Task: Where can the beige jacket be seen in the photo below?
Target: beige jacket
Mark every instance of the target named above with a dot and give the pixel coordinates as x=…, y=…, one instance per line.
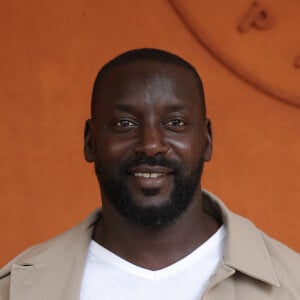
x=254, y=265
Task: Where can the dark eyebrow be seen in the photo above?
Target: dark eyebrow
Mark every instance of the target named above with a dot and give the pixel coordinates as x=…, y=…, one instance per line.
x=170, y=108
x=123, y=107
x=176, y=107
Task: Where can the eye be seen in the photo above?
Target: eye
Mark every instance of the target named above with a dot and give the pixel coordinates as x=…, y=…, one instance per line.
x=176, y=124
x=125, y=123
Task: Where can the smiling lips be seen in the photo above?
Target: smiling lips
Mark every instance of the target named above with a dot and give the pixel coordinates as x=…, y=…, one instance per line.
x=147, y=175
x=150, y=171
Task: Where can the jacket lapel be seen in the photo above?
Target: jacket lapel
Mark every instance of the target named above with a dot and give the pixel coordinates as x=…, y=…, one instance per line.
x=55, y=272
x=245, y=249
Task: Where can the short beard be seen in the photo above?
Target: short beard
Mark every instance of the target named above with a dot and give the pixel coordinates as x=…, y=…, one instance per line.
x=117, y=192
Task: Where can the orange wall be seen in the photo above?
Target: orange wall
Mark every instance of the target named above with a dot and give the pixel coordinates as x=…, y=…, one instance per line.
x=50, y=53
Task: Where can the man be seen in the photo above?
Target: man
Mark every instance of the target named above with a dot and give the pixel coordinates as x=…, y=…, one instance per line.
x=158, y=235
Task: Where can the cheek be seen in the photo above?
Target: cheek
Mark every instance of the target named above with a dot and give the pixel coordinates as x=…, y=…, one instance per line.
x=182, y=145
x=187, y=149
x=113, y=149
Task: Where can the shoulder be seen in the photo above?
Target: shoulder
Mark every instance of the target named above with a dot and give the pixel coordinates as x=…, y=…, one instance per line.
x=286, y=261
x=251, y=252
x=59, y=247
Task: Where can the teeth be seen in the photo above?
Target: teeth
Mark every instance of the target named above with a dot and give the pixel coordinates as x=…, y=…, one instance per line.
x=148, y=175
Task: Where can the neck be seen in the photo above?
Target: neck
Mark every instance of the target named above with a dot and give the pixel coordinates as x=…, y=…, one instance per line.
x=159, y=247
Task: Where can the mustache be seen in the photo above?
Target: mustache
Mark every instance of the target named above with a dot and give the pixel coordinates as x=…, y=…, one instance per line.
x=157, y=160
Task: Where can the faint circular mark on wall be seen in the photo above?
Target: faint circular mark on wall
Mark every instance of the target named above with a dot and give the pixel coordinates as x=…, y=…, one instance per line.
x=257, y=40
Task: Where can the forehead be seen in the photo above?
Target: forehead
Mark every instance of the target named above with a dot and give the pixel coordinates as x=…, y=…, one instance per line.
x=161, y=83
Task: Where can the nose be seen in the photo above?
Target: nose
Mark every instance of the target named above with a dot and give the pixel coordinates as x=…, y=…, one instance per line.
x=151, y=141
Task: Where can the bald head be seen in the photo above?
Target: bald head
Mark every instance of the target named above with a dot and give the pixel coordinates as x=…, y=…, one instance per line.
x=148, y=55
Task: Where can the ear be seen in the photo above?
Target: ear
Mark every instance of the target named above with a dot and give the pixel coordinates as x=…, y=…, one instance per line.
x=88, y=141
x=208, y=140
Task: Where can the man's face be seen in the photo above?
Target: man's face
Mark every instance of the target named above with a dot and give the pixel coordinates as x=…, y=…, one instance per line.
x=149, y=140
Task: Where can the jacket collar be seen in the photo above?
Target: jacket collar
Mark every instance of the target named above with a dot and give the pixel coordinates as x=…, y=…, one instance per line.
x=245, y=249
x=59, y=263
x=76, y=239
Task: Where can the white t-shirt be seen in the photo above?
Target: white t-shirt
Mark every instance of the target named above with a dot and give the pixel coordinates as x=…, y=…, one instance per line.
x=108, y=276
